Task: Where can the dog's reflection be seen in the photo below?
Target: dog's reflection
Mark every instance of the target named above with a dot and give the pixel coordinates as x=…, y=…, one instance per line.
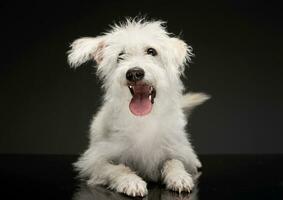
x=155, y=192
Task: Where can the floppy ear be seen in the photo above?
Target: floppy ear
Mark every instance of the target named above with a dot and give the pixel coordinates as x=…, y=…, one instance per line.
x=84, y=49
x=182, y=52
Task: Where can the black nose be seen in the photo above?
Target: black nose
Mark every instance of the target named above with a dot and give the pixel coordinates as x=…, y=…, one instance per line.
x=135, y=74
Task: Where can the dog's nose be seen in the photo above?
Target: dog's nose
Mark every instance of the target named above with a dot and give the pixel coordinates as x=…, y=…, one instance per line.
x=135, y=74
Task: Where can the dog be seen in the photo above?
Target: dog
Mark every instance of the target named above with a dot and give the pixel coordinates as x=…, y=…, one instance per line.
x=139, y=132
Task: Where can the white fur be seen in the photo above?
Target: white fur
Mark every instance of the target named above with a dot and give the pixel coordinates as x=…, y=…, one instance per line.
x=175, y=176
x=125, y=148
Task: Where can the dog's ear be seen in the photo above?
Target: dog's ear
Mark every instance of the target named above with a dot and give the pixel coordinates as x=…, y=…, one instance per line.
x=181, y=52
x=84, y=49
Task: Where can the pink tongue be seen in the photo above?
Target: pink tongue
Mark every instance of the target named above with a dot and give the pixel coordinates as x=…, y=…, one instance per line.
x=140, y=105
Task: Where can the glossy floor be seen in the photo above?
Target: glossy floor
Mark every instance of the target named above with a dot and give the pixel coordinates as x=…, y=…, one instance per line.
x=223, y=177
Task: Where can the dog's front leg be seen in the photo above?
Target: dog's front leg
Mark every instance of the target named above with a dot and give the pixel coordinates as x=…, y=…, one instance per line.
x=119, y=178
x=175, y=176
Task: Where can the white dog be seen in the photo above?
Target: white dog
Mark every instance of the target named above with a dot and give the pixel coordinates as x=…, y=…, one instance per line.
x=139, y=132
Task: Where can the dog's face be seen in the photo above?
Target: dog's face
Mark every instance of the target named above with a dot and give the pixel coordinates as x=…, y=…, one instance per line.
x=138, y=62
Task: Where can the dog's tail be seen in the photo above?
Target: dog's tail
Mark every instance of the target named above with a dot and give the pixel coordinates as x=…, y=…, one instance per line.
x=191, y=100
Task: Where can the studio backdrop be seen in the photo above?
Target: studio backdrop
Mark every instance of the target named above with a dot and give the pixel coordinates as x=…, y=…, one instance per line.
x=46, y=107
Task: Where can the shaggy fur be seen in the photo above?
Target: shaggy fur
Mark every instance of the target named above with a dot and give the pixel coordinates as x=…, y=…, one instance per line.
x=126, y=149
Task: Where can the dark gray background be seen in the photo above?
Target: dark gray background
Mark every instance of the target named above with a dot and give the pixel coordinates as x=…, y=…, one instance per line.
x=46, y=107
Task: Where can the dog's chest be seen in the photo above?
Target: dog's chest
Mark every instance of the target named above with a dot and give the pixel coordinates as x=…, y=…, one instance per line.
x=144, y=150
x=144, y=142
x=145, y=159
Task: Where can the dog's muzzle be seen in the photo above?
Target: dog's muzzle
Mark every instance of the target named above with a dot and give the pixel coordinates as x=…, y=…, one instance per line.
x=143, y=94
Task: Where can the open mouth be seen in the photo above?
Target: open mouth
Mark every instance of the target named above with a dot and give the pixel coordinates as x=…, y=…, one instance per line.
x=143, y=98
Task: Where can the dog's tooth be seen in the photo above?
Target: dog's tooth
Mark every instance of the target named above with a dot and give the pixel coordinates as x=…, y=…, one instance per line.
x=151, y=98
x=131, y=90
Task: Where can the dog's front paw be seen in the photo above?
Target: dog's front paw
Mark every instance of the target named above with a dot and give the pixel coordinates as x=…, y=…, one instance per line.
x=131, y=185
x=181, y=182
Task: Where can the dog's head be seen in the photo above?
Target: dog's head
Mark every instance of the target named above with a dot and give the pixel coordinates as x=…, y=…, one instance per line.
x=138, y=61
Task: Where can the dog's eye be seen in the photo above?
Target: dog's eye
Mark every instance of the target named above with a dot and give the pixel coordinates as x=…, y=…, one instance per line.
x=120, y=56
x=151, y=51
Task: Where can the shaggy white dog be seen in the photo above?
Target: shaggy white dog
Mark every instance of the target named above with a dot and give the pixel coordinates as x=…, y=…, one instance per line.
x=139, y=132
